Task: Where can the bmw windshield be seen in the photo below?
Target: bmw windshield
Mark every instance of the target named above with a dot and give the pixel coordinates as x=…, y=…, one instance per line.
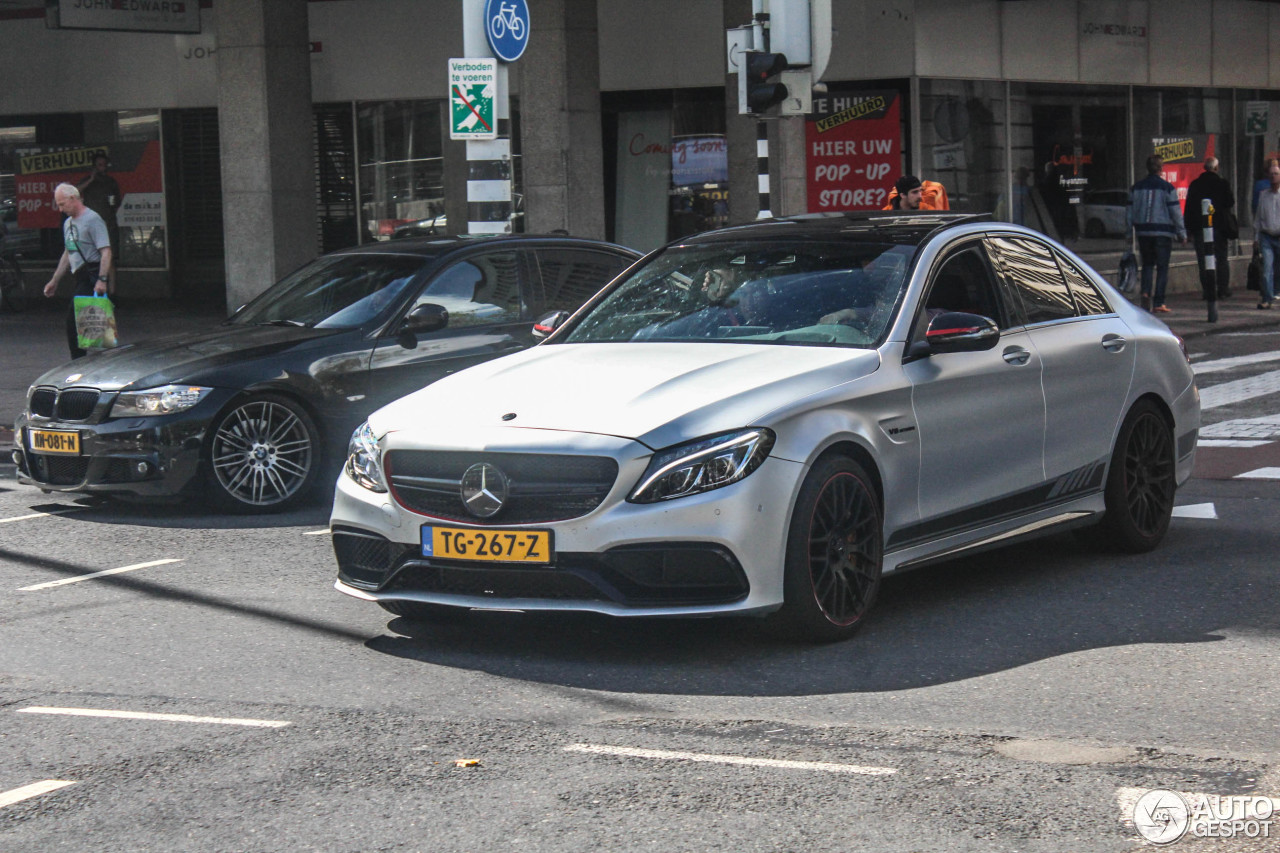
x=798, y=292
x=335, y=292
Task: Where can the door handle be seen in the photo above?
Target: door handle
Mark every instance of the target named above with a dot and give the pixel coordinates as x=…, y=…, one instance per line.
x=1016, y=355
x=1113, y=343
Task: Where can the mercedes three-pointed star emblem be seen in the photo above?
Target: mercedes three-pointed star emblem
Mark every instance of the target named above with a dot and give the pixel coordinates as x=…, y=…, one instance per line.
x=484, y=490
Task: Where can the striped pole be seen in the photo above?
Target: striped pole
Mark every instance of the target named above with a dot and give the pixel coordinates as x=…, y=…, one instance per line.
x=489, y=183
x=762, y=170
x=1209, y=279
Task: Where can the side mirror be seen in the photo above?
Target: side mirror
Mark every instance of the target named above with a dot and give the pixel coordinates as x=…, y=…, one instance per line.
x=424, y=318
x=548, y=323
x=958, y=332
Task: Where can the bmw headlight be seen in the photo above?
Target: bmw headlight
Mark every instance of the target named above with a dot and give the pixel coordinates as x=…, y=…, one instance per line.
x=364, y=459
x=157, y=401
x=702, y=465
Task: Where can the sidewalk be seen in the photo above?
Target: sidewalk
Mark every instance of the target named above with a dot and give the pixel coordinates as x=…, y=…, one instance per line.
x=1188, y=314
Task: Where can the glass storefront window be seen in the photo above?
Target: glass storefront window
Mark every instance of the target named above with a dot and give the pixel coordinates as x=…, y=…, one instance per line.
x=1257, y=111
x=962, y=142
x=401, y=166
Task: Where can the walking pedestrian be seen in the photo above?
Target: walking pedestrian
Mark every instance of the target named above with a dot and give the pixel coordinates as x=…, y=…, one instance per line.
x=86, y=255
x=1267, y=226
x=1215, y=278
x=1155, y=215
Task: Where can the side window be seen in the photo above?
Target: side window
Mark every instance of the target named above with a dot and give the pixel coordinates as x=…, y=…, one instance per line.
x=1032, y=272
x=479, y=290
x=572, y=276
x=962, y=282
x=1088, y=298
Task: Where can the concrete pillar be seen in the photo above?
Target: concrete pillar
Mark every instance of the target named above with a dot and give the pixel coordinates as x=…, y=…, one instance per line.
x=787, y=165
x=266, y=130
x=740, y=132
x=562, y=158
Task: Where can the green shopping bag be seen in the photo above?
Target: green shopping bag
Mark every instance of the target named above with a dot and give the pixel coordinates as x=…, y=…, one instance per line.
x=95, y=322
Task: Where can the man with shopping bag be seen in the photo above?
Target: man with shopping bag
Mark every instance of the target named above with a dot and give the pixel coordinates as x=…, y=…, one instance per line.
x=86, y=255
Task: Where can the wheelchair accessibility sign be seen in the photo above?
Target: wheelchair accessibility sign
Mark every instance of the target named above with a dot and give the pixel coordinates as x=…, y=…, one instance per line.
x=506, y=26
x=473, y=83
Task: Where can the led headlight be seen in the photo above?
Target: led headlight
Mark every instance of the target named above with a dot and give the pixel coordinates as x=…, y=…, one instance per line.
x=364, y=459
x=157, y=401
x=702, y=465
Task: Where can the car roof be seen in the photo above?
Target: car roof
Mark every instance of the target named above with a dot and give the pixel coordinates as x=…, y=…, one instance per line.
x=441, y=245
x=911, y=228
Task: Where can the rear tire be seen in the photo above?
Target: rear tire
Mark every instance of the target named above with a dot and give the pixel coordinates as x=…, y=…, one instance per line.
x=834, y=556
x=1141, y=482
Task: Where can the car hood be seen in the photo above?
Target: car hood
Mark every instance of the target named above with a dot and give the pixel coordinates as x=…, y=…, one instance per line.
x=178, y=358
x=659, y=393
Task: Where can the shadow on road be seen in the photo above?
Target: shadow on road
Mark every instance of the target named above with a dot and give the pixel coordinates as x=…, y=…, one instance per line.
x=964, y=619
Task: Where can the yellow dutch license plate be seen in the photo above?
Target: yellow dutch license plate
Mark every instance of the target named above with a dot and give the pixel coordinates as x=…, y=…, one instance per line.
x=496, y=546
x=54, y=441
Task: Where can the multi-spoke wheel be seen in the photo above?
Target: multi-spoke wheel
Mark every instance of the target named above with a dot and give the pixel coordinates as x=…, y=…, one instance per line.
x=263, y=455
x=1141, y=482
x=834, y=553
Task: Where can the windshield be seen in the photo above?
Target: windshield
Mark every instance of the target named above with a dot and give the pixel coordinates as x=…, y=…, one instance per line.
x=335, y=292
x=807, y=293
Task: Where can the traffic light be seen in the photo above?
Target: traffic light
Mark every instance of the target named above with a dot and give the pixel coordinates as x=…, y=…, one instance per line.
x=763, y=90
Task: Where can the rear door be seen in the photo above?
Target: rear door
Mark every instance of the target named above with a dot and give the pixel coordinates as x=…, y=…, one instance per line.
x=569, y=275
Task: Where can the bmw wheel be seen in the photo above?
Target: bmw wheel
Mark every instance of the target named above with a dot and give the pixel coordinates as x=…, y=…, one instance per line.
x=263, y=455
x=1141, y=482
x=834, y=554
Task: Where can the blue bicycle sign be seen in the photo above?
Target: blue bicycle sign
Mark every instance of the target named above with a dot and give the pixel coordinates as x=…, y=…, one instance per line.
x=507, y=28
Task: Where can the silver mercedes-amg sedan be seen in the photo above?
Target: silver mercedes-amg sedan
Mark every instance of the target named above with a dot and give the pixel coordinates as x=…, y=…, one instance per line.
x=767, y=419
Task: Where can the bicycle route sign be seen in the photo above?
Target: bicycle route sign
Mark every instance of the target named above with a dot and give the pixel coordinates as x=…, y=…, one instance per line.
x=473, y=84
x=506, y=26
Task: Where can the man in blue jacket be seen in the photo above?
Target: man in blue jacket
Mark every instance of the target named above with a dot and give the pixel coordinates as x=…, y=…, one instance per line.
x=1155, y=215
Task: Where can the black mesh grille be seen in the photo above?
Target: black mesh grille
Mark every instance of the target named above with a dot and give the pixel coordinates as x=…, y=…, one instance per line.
x=499, y=583
x=42, y=402
x=76, y=404
x=366, y=559
x=58, y=470
x=542, y=487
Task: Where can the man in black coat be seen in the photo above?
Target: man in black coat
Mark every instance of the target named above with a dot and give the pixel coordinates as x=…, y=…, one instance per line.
x=1212, y=186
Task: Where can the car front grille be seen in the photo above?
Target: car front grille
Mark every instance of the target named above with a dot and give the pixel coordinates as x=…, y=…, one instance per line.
x=541, y=487
x=69, y=404
x=58, y=470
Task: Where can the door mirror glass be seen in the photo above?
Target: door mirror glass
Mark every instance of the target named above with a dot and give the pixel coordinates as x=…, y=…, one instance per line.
x=548, y=323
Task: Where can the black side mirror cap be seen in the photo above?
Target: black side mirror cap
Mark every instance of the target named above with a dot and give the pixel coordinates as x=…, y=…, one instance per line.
x=955, y=331
x=424, y=319
x=546, y=325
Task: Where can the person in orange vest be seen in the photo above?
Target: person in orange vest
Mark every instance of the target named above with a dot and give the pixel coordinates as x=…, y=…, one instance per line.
x=910, y=193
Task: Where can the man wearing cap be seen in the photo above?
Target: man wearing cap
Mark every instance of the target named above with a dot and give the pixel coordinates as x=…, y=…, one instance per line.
x=910, y=193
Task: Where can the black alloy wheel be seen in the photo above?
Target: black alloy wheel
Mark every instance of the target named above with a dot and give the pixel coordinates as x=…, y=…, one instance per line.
x=263, y=455
x=834, y=556
x=1141, y=482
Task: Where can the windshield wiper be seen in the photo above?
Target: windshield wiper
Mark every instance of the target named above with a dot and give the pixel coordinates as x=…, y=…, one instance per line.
x=284, y=323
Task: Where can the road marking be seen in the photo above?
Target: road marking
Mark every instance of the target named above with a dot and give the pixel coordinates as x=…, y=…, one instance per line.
x=35, y=789
x=165, y=718
x=324, y=532
x=41, y=514
x=667, y=755
x=1195, y=511
x=1265, y=427
x=1220, y=364
x=1231, y=442
x=1260, y=474
x=77, y=579
x=1240, y=390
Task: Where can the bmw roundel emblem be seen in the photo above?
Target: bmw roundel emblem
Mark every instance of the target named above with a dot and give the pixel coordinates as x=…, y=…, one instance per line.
x=484, y=490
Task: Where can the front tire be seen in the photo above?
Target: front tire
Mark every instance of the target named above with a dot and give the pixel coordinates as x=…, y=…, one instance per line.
x=834, y=555
x=263, y=455
x=1141, y=481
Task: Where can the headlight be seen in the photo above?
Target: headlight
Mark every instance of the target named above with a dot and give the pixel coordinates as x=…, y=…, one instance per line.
x=702, y=465
x=157, y=401
x=364, y=459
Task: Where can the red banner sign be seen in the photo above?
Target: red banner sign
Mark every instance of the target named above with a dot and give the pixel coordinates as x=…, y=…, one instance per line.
x=134, y=165
x=853, y=150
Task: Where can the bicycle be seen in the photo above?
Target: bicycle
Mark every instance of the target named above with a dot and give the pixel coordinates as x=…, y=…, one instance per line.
x=506, y=17
x=13, y=291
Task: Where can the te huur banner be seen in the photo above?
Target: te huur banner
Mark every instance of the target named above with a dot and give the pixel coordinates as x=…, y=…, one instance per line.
x=1184, y=158
x=853, y=150
x=137, y=16
x=134, y=165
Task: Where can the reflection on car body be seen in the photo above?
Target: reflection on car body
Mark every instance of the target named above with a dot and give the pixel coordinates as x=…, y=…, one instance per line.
x=900, y=389
x=250, y=408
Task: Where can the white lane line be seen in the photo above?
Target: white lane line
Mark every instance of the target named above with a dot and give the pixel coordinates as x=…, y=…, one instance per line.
x=78, y=578
x=1240, y=390
x=1266, y=427
x=1195, y=511
x=1220, y=364
x=324, y=532
x=164, y=718
x=666, y=755
x=1230, y=442
x=35, y=789
x=1260, y=474
x=41, y=514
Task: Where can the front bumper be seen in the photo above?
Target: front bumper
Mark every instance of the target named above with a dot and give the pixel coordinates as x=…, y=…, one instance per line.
x=715, y=553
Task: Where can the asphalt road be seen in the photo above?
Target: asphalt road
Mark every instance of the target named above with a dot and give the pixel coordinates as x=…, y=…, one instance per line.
x=1019, y=700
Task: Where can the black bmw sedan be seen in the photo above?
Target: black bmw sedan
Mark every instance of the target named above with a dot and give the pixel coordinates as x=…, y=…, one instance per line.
x=247, y=412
